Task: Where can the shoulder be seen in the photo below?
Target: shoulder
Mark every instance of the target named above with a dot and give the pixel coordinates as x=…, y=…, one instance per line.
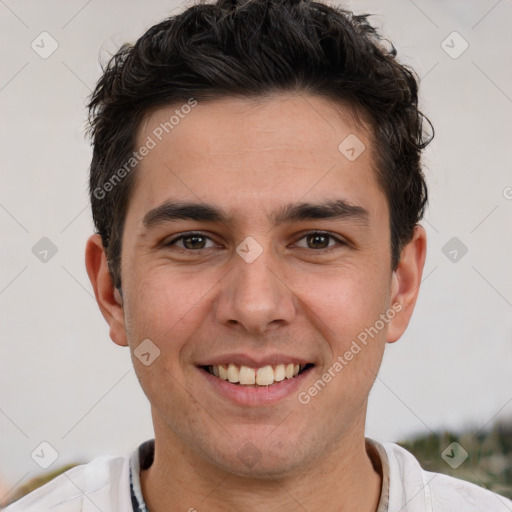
x=425, y=491
x=102, y=484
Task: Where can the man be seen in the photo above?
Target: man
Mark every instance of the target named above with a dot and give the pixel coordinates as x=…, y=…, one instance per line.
x=256, y=186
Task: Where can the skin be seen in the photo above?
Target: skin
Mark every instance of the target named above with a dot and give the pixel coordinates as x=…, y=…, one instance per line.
x=251, y=157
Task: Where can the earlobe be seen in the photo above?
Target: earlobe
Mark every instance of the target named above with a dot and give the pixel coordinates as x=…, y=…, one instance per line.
x=107, y=296
x=406, y=280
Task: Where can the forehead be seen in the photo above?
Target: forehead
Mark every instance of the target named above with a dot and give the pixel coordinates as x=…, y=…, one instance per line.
x=257, y=150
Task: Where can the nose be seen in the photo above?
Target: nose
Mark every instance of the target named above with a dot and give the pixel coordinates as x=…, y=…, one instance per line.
x=255, y=296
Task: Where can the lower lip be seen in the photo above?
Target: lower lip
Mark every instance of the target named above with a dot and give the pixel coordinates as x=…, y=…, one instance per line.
x=254, y=396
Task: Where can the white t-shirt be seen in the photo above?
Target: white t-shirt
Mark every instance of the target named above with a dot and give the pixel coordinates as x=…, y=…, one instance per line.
x=108, y=484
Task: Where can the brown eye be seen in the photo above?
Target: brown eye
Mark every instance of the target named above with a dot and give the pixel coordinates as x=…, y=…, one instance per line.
x=319, y=241
x=191, y=241
x=316, y=241
x=194, y=242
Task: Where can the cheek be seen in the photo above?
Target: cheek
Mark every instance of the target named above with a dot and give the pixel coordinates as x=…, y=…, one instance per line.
x=164, y=305
x=346, y=309
x=344, y=302
x=166, y=308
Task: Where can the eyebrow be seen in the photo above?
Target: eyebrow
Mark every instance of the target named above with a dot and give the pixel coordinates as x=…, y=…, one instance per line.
x=332, y=209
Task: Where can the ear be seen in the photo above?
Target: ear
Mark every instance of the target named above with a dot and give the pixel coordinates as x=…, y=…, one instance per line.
x=406, y=282
x=108, y=298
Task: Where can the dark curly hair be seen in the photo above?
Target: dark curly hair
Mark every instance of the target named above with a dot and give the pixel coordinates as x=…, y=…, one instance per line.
x=253, y=48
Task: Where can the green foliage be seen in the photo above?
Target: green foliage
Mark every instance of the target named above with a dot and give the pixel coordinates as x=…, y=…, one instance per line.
x=489, y=462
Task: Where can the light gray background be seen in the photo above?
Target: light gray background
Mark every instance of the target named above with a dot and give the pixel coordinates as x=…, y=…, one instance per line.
x=61, y=378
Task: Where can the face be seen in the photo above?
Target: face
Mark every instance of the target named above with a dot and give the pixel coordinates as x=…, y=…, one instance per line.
x=253, y=248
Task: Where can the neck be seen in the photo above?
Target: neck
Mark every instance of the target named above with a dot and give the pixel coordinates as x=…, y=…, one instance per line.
x=344, y=480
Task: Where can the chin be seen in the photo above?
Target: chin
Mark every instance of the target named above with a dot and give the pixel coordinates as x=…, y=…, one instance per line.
x=262, y=458
x=264, y=466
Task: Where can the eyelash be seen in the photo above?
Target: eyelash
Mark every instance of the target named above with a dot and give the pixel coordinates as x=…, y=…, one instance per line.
x=338, y=241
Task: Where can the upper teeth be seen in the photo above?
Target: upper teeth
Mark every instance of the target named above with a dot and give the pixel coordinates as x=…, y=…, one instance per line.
x=263, y=376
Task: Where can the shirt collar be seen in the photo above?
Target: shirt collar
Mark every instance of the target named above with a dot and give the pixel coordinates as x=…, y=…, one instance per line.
x=142, y=458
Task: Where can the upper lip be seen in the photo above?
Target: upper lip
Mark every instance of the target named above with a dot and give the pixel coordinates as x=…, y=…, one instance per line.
x=255, y=362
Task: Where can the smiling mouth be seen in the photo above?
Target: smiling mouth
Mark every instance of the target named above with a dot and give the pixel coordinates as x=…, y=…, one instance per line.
x=264, y=376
